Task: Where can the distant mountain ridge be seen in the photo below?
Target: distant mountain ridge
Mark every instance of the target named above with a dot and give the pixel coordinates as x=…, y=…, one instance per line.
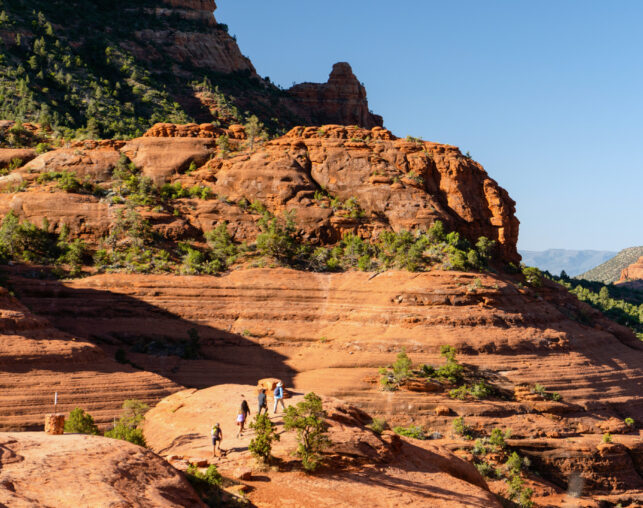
x=610, y=271
x=573, y=262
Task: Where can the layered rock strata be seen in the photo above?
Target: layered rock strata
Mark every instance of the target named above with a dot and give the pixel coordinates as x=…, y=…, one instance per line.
x=37, y=360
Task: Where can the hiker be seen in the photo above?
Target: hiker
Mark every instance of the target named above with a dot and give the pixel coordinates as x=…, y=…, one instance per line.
x=217, y=437
x=244, y=407
x=279, y=396
x=241, y=421
x=263, y=403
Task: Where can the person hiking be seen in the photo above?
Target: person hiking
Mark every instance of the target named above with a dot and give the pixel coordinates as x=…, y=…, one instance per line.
x=217, y=437
x=279, y=396
x=263, y=403
x=244, y=407
x=241, y=421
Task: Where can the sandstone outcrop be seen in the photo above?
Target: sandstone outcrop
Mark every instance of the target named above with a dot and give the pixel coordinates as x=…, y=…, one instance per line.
x=341, y=100
x=37, y=360
x=632, y=276
x=331, y=332
x=77, y=470
x=379, y=470
x=398, y=184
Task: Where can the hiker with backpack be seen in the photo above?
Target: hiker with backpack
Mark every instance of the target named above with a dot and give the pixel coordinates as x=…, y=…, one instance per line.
x=279, y=396
x=217, y=437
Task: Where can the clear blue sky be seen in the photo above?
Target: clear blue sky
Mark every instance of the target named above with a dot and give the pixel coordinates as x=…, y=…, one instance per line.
x=547, y=95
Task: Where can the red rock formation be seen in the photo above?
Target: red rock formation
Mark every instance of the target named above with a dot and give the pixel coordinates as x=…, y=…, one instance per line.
x=258, y=323
x=79, y=470
x=399, y=184
x=632, y=276
x=341, y=100
x=376, y=469
x=37, y=360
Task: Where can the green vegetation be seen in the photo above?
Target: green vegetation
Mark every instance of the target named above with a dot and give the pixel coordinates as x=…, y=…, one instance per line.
x=175, y=190
x=542, y=391
x=398, y=373
x=533, y=276
x=80, y=422
x=67, y=181
x=308, y=419
x=607, y=437
x=126, y=428
x=207, y=485
x=378, y=425
x=261, y=445
x=629, y=422
x=619, y=303
x=460, y=428
x=610, y=271
x=413, y=431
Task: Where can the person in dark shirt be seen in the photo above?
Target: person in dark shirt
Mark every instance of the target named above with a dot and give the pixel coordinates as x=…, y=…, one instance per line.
x=245, y=409
x=263, y=403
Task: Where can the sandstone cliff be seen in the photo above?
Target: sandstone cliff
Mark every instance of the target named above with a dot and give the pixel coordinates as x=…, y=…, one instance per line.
x=37, y=360
x=342, y=100
x=398, y=184
x=331, y=332
x=633, y=274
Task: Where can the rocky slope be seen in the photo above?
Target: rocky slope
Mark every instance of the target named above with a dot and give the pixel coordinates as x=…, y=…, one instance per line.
x=77, y=470
x=379, y=470
x=611, y=270
x=37, y=360
x=126, y=65
x=397, y=184
x=331, y=332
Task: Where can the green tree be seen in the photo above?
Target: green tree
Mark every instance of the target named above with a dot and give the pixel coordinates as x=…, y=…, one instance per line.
x=261, y=445
x=126, y=427
x=253, y=128
x=308, y=418
x=80, y=422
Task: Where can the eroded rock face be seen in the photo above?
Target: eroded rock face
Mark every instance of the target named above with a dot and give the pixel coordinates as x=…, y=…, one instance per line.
x=360, y=464
x=329, y=333
x=79, y=470
x=400, y=184
x=37, y=360
x=632, y=276
x=341, y=100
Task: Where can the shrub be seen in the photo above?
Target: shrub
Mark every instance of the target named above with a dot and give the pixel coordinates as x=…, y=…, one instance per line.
x=515, y=463
x=486, y=469
x=459, y=393
x=261, y=445
x=222, y=250
x=481, y=390
x=80, y=422
x=533, y=276
x=378, y=426
x=204, y=481
x=125, y=433
x=460, y=428
x=519, y=493
x=629, y=422
x=452, y=371
x=497, y=439
x=607, y=438
x=400, y=371
x=414, y=432
x=126, y=428
x=479, y=448
x=308, y=418
x=277, y=236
